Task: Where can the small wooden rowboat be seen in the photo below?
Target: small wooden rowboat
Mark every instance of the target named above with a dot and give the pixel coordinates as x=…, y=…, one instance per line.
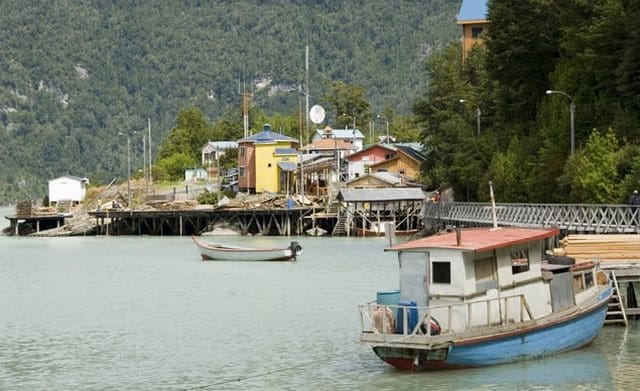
x=218, y=252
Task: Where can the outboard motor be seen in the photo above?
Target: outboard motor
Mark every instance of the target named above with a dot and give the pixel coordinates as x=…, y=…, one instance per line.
x=296, y=249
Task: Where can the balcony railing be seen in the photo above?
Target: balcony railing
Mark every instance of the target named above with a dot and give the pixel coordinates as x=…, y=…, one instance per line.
x=379, y=319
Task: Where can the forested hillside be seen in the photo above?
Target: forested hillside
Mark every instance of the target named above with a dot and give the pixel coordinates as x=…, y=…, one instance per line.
x=540, y=59
x=73, y=74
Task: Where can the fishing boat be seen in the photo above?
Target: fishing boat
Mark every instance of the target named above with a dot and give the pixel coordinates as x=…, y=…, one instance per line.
x=484, y=296
x=218, y=252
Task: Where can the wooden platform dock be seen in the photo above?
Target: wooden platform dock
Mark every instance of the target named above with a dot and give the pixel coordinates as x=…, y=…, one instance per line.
x=282, y=222
x=28, y=224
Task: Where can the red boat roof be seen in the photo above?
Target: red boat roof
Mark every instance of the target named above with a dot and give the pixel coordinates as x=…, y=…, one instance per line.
x=479, y=239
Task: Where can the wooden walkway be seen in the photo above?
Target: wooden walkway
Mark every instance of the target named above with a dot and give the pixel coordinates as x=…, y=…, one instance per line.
x=571, y=218
x=282, y=222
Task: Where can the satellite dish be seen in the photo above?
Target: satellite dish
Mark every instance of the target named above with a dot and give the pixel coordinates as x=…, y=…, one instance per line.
x=316, y=114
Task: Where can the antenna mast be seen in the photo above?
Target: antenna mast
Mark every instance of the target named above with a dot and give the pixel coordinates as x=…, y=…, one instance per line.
x=245, y=111
x=306, y=92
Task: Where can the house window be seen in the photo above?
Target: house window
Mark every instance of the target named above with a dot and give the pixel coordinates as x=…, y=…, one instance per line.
x=441, y=272
x=486, y=272
x=401, y=172
x=520, y=261
x=241, y=152
x=241, y=173
x=366, y=169
x=476, y=32
x=269, y=165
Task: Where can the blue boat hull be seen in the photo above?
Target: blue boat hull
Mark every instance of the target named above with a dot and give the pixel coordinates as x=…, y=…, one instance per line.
x=533, y=342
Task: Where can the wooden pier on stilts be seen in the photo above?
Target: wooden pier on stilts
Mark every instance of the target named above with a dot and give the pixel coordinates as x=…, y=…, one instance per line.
x=283, y=222
x=28, y=224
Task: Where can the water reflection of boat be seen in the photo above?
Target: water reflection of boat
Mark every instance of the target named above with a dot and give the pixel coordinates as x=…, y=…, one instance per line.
x=316, y=231
x=380, y=229
x=218, y=252
x=469, y=298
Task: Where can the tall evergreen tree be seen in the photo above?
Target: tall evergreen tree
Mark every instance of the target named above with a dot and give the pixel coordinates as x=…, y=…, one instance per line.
x=523, y=48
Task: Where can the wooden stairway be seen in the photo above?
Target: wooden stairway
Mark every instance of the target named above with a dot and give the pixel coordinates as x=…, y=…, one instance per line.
x=340, y=228
x=616, y=312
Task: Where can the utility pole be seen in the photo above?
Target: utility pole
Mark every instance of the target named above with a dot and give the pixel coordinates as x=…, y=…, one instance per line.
x=150, y=177
x=128, y=168
x=144, y=159
x=306, y=92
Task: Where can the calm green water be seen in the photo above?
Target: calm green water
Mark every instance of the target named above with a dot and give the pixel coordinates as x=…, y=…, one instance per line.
x=144, y=313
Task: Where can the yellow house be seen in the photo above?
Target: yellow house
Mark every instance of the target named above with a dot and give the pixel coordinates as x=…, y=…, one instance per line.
x=473, y=19
x=267, y=162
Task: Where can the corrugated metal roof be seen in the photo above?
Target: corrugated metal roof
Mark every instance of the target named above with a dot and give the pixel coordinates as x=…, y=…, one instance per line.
x=342, y=133
x=266, y=135
x=412, y=152
x=479, y=239
x=472, y=10
x=285, y=151
x=73, y=177
x=219, y=146
x=375, y=195
x=287, y=166
x=329, y=144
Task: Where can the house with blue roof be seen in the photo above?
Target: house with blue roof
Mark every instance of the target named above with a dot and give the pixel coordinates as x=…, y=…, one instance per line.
x=473, y=19
x=267, y=162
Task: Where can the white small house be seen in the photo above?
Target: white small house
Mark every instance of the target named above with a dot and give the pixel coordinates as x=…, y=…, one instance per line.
x=67, y=188
x=195, y=174
x=213, y=150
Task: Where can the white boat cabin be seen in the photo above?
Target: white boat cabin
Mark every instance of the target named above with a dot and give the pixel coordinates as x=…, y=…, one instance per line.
x=481, y=277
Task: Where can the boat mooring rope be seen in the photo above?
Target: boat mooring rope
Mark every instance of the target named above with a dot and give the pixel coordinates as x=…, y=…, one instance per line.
x=224, y=382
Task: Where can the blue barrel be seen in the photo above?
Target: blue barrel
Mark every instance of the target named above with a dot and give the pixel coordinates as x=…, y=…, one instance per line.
x=410, y=307
x=289, y=203
x=388, y=297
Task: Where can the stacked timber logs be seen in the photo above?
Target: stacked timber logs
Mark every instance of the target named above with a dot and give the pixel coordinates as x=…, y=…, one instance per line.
x=619, y=248
x=23, y=208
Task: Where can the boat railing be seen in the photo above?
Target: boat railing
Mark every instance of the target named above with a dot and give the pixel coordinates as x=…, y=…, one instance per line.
x=443, y=319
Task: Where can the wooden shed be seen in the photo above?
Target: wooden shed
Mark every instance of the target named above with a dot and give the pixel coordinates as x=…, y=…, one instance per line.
x=365, y=212
x=67, y=188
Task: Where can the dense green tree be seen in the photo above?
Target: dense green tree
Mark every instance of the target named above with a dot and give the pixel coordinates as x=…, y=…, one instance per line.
x=346, y=102
x=190, y=134
x=592, y=173
x=523, y=49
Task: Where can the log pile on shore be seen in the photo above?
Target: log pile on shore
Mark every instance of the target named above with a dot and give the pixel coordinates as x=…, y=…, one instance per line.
x=615, y=248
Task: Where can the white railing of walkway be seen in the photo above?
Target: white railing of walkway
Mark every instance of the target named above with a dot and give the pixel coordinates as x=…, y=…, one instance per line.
x=587, y=218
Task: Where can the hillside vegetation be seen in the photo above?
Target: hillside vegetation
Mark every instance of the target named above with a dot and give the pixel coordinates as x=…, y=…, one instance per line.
x=584, y=52
x=73, y=74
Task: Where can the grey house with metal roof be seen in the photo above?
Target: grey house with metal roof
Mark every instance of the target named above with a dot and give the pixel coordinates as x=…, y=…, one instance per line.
x=365, y=212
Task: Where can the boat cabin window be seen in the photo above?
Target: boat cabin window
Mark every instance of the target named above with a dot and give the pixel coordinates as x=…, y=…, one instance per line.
x=441, y=272
x=588, y=278
x=578, y=283
x=582, y=280
x=486, y=273
x=520, y=261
